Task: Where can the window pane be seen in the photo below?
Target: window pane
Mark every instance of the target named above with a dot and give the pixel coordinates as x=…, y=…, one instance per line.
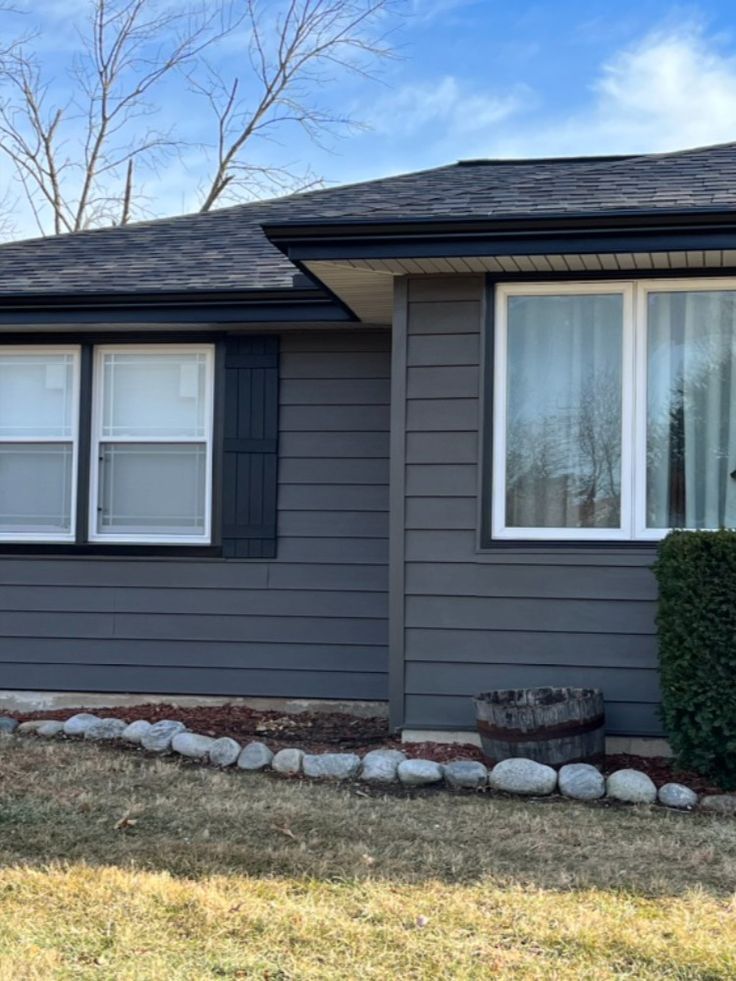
x=36, y=395
x=563, y=423
x=691, y=400
x=154, y=395
x=156, y=489
x=36, y=488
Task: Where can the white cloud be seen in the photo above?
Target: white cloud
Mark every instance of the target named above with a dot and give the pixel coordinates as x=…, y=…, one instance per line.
x=426, y=11
x=669, y=91
x=672, y=89
x=447, y=105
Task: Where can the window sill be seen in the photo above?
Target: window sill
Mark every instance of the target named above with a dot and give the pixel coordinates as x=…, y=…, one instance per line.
x=108, y=549
x=639, y=553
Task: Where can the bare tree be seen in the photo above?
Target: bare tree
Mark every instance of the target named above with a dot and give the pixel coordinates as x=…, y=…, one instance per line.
x=78, y=162
x=293, y=57
x=563, y=461
x=73, y=159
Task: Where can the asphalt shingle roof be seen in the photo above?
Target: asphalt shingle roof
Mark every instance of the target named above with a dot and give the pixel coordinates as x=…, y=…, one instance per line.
x=227, y=250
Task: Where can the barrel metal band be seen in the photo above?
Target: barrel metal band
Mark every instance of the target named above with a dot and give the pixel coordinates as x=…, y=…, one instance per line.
x=543, y=733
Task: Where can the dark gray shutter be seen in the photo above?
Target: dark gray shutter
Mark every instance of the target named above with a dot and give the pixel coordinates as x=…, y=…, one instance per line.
x=250, y=451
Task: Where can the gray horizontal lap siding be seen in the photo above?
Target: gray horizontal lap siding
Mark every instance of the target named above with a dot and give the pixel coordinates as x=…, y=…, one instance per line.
x=311, y=623
x=514, y=617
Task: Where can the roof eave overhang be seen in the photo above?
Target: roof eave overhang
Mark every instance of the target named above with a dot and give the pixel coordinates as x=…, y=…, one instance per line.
x=583, y=232
x=226, y=307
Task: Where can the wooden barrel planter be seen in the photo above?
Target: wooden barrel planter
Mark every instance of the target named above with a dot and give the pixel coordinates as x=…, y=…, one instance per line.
x=549, y=725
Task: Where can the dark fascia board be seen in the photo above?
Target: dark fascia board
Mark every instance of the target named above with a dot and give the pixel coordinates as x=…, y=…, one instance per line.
x=614, y=231
x=184, y=307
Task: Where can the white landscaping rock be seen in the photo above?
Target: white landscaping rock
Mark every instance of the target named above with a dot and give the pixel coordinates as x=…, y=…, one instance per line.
x=522, y=776
x=78, y=724
x=466, y=774
x=677, y=795
x=134, y=732
x=257, y=756
x=224, y=751
x=104, y=729
x=581, y=781
x=381, y=765
x=158, y=738
x=7, y=725
x=30, y=727
x=631, y=786
x=719, y=804
x=286, y=761
x=191, y=744
x=50, y=728
x=331, y=766
x=418, y=773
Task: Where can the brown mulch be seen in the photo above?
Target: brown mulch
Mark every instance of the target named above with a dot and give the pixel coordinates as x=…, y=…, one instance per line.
x=316, y=731
x=320, y=732
x=661, y=770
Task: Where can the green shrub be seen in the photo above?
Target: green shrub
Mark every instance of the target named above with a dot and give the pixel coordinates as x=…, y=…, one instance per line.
x=696, y=621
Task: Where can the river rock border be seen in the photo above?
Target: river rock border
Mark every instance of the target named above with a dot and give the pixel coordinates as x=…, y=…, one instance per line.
x=379, y=767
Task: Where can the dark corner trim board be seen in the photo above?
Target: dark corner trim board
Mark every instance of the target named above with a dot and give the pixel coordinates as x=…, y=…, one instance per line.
x=198, y=308
x=624, y=231
x=397, y=504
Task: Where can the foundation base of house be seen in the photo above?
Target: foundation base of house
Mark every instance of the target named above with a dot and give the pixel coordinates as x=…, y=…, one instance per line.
x=47, y=701
x=636, y=745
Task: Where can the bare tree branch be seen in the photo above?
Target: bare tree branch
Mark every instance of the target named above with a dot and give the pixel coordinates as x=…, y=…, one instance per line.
x=128, y=194
x=74, y=157
x=291, y=57
x=129, y=47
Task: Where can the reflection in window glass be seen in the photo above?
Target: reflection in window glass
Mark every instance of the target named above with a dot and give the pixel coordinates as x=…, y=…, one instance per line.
x=563, y=412
x=691, y=398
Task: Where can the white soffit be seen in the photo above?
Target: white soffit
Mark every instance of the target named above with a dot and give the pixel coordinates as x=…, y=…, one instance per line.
x=368, y=293
x=366, y=285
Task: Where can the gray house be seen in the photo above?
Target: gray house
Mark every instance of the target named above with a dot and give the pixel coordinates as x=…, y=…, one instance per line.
x=404, y=440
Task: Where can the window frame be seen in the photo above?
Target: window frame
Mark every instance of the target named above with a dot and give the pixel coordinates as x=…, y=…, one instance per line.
x=54, y=349
x=96, y=438
x=633, y=529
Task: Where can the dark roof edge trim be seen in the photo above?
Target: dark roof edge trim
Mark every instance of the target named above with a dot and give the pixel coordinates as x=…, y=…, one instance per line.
x=653, y=231
x=297, y=305
x=282, y=233
x=256, y=306
x=193, y=298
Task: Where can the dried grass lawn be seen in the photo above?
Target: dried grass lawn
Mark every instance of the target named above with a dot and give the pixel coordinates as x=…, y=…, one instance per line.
x=114, y=866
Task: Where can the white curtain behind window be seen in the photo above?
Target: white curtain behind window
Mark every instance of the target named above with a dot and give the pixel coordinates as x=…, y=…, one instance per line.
x=563, y=427
x=691, y=398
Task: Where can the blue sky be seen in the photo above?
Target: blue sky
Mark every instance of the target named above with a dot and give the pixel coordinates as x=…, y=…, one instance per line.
x=480, y=78
x=483, y=78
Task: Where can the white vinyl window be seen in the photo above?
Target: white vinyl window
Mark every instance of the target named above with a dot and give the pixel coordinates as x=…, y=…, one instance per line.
x=614, y=409
x=151, y=464
x=39, y=411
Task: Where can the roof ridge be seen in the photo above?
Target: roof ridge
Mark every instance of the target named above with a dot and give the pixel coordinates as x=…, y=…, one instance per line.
x=665, y=154
x=593, y=160
x=513, y=161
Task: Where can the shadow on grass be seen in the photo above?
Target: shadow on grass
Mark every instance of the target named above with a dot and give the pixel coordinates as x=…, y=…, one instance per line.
x=74, y=803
